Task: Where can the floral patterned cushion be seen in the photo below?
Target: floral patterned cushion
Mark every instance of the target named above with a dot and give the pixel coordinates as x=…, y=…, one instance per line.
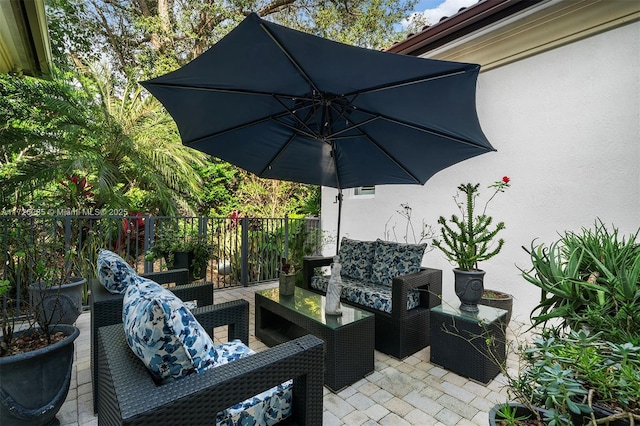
x=393, y=259
x=267, y=408
x=356, y=258
x=163, y=333
x=366, y=293
x=114, y=273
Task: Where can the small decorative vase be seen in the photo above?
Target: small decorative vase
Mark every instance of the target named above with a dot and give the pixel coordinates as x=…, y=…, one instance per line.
x=469, y=288
x=334, y=288
x=287, y=284
x=224, y=267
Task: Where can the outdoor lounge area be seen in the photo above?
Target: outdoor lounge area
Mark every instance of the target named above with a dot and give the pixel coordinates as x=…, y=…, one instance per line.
x=412, y=391
x=213, y=215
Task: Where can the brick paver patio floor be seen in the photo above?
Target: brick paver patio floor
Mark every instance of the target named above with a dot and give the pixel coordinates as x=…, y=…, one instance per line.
x=408, y=392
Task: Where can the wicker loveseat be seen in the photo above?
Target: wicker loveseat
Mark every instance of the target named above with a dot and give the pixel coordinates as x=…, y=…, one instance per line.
x=385, y=278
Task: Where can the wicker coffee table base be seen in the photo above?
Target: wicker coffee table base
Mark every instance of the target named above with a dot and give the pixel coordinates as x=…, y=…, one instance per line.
x=348, y=348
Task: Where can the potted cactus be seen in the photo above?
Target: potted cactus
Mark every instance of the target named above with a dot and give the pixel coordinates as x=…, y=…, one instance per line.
x=468, y=239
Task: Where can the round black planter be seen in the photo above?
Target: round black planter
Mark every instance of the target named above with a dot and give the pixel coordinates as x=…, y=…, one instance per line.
x=34, y=385
x=58, y=304
x=469, y=288
x=505, y=303
x=184, y=260
x=521, y=411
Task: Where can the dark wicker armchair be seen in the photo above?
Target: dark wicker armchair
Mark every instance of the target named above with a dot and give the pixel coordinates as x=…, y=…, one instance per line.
x=129, y=396
x=106, y=308
x=402, y=332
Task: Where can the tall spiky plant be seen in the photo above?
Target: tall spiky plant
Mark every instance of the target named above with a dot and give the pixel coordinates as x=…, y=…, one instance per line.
x=468, y=239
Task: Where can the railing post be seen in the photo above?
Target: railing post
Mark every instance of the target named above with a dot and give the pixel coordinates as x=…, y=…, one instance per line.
x=286, y=236
x=244, y=252
x=67, y=232
x=149, y=237
x=67, y=241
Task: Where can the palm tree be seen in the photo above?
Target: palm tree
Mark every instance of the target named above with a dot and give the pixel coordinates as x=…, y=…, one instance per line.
x=124, y=143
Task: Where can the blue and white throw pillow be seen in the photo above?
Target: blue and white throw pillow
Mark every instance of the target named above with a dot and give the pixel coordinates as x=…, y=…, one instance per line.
x=393, y=259
x=267, y=408
x=356, y=258
x=114, y=273
x=163, y=333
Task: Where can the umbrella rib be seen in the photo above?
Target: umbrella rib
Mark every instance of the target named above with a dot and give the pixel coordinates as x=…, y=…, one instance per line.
x=293, y=62
x=232, y=91
x=425, y=129
x=389, y=156
x=239, y=127
x=366, y=136
x=410, y=82
x=278, y=154
x=309, y=131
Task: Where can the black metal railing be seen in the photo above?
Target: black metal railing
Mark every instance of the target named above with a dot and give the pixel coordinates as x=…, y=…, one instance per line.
x=243, y=250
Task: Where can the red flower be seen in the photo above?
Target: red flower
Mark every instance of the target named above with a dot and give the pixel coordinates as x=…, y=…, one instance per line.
x=234, y=216
x=505, y=179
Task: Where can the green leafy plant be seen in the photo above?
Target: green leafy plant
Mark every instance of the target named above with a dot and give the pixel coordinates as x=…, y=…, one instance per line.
x=7, y=323
x=592, y=279
x=170, y=240
x=468, y=239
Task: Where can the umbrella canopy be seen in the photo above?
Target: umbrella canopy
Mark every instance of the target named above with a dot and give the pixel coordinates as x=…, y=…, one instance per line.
x=292, y=106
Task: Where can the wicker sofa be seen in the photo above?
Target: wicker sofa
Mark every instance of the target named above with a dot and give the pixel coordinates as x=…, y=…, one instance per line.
x=401, y=305
x=106, y=308
x=129, y=396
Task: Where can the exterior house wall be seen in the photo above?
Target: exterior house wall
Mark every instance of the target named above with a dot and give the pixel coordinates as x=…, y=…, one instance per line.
x=566, y=126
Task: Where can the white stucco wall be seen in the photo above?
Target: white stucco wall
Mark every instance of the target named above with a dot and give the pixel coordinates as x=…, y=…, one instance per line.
x=566, y=127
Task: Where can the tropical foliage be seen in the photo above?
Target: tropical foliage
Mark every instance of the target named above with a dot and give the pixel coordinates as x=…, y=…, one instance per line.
x=67, y=129
x=93, y=122
x=589, y=278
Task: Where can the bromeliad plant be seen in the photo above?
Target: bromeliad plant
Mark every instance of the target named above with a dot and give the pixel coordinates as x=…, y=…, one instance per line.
x=468, y=239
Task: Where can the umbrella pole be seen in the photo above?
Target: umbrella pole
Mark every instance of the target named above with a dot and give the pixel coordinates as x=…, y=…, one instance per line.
x=339, y=217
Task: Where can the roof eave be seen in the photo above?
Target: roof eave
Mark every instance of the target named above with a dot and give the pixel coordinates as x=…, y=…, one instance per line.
x=24, y=38
x=481, y=14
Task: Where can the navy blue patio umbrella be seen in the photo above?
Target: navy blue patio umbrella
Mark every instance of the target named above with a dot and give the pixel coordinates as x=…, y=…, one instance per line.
x=288, y=105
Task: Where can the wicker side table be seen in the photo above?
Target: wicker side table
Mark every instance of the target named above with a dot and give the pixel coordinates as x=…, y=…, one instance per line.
x=471, y=345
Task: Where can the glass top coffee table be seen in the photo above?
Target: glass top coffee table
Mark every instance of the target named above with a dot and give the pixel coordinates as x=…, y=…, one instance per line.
x=349, y=338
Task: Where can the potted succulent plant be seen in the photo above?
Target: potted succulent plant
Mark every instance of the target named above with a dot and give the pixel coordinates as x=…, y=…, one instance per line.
x=35, y=361
x=468, y=239
x=577, y=377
